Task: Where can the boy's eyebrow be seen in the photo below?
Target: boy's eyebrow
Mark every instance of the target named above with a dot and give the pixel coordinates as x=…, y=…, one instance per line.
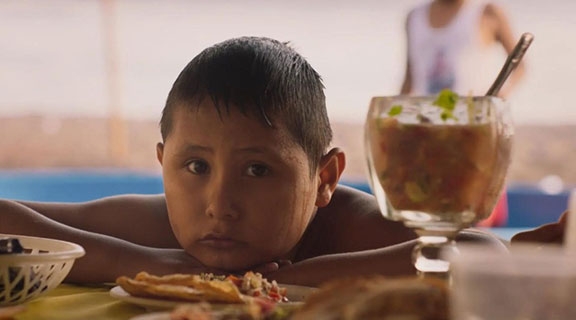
x=194, y=148
x=255, y=150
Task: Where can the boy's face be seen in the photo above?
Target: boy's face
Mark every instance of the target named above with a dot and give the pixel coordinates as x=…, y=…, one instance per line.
x=238, y=193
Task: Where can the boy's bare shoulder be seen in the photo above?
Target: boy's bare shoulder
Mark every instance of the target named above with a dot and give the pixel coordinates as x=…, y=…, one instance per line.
x=351, y=222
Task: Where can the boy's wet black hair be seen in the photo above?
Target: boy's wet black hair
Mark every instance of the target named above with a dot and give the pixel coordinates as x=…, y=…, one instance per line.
x=261, y=77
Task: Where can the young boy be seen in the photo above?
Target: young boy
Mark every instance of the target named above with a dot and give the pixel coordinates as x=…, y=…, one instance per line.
x=249, y=181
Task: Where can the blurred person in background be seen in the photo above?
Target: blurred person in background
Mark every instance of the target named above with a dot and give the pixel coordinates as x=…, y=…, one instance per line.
x=456, y=45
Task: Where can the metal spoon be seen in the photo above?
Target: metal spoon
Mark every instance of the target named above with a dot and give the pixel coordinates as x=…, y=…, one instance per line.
x=511, y=63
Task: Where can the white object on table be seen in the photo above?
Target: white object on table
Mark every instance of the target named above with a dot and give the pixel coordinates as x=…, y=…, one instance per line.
x=531, y=281
x=25, y=276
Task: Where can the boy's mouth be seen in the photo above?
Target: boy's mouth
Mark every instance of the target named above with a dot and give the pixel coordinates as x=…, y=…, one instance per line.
x=220, y=241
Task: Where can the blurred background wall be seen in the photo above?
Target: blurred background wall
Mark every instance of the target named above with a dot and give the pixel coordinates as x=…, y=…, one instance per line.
x=53, y=52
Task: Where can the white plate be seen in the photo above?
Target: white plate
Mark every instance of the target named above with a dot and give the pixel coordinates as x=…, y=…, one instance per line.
x=153, y=316
x=295, y=294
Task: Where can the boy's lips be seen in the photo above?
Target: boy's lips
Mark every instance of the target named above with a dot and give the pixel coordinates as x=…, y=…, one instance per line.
x=220, y=241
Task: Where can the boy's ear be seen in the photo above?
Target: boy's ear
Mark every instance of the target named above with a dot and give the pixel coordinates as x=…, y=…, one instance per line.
x=159, y=152
x=329, y=171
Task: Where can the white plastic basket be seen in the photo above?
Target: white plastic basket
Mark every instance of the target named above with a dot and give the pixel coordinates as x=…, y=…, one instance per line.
x=25, y=276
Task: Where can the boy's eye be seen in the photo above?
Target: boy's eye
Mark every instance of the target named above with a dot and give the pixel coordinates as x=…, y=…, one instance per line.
x=197, y=167
x=257, y=170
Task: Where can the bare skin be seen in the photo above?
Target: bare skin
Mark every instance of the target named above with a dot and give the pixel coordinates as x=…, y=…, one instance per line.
x=494, y=29
x=550, y=233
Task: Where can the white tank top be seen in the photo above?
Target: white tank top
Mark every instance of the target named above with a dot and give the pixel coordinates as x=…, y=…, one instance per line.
x=452, y=56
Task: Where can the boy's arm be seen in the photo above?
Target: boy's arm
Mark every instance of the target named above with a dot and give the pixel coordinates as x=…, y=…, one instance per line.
x=106, y=257
x=141, y=219
x=389, y=261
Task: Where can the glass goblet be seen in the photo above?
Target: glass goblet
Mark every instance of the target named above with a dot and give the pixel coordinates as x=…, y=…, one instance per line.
x=437, y=168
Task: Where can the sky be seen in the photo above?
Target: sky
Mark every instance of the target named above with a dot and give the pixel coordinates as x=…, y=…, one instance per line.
x=53, y=52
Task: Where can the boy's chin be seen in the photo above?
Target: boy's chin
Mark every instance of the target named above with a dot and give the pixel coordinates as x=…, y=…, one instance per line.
x=232, y=265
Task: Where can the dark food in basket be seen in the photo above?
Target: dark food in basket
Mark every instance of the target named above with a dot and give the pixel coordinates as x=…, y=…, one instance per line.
x=9, y=245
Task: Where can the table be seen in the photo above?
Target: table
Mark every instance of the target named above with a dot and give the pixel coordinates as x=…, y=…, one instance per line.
x=71, y=302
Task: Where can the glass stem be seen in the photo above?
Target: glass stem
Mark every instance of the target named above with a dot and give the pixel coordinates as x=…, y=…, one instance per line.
x=427, y=255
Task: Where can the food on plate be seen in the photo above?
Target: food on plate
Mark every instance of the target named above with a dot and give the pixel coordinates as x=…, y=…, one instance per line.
x=11, y=245
x=203, y=287
x=254, y=284
x=208, y=296
x=224, y=292
x=378, y=297
x=257, y=309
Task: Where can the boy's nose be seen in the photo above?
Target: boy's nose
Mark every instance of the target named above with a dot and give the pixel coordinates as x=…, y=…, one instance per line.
x=221, y=203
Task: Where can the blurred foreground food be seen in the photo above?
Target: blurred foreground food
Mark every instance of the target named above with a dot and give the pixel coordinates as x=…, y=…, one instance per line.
x=378, y=298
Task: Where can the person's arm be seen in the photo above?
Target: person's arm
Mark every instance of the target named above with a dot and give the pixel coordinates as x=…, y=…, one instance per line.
x=106, y=257
x=141, y=219
x=502, y=33
x=407, y=83
x=551, y=233
x=389, y=261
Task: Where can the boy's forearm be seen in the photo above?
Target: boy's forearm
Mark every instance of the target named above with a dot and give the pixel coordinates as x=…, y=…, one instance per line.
x=19, y=219
x=106, y=257
x=101, y=251
x=390, y=261
x=111, y=216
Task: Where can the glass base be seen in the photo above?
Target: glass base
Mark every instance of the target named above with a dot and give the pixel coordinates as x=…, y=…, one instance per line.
x=427, y=255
